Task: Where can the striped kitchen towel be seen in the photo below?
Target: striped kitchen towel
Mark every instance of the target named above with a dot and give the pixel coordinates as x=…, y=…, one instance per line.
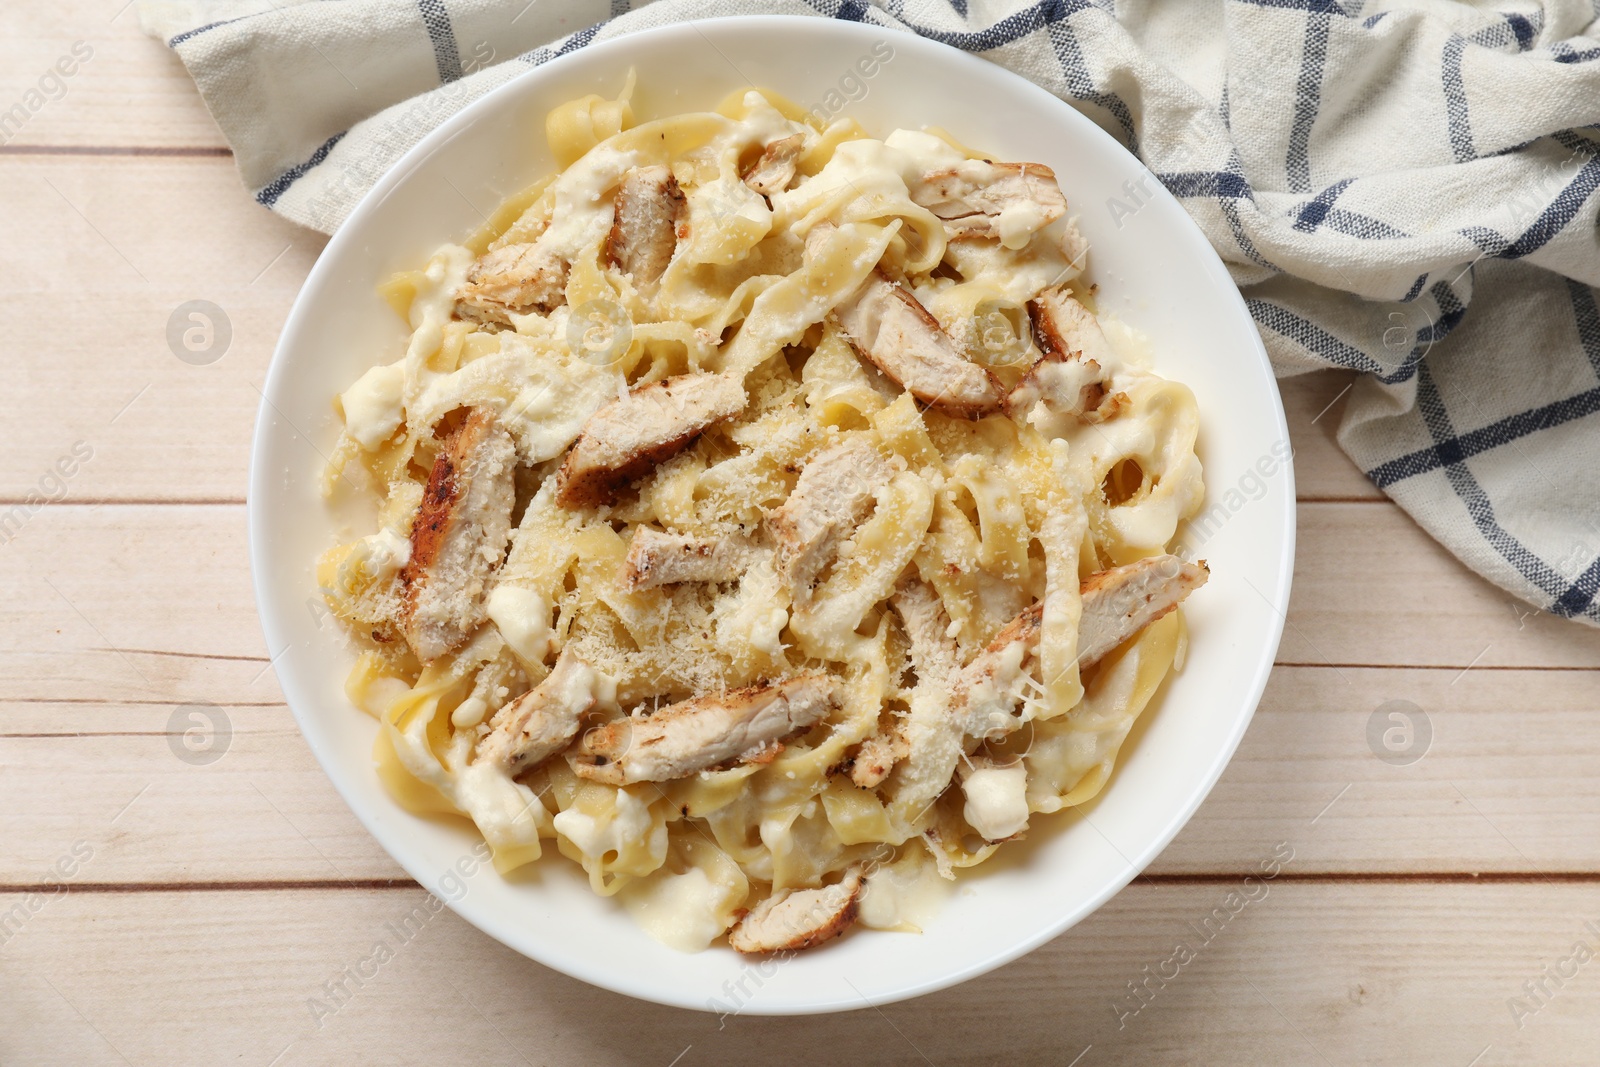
x=1403, y=189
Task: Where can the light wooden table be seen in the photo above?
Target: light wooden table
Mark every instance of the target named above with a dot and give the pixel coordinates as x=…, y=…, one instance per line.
x=204, y=905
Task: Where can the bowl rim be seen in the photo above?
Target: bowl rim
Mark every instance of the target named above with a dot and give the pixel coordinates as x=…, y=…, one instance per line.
x=275, y=630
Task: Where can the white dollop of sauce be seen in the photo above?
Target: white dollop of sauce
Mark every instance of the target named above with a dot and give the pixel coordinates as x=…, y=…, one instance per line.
x=469, y=713
x=902, y=896
x=522, y=616
x=582, y=214
x=372, y=406
x=1017, y=223
x=922, y=152
x=682, y=911
x=596, y=836
x=582, y=687
x=502, y=807
x=997, y=800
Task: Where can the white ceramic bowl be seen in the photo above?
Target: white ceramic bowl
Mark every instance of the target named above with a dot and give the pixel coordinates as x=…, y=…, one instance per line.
x=1155, y=271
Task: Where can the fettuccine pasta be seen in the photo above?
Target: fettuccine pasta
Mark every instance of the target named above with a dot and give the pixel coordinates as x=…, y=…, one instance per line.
x=763, y=518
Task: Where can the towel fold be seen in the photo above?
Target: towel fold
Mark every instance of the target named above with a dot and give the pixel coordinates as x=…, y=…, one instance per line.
x=1404, y=190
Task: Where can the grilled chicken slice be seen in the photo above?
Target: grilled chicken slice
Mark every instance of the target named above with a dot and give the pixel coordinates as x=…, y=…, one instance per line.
x=458, y=536
x=834, y=493
x=739, y=726
x=525, y=279
x=924, y=735
x=878, y=754
x=976, y=198
x=625, y=439
x=542, y=721
x=1070, y=379
x=1117, y=604
x=773, y=170
x=1120, y=602
x=891, y=329
x=793, y=919
x=656, y=558
x=644, y=228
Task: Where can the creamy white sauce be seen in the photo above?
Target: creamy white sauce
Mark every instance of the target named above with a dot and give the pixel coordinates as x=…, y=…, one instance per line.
x=595, y=836
x=469, y=713
x=372, y=406
x=997, y=799
x=922, y=152
x=582, y=214
x=682, y=911
x=386, y=552
x=992, y=700
x=522, y=616
x=759, y=611
x=505, y=810
x=903, y=897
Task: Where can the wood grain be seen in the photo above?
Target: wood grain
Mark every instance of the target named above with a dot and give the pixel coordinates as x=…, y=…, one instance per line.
x=220, y=897
x=157, y=232
x=1309, y=974
x=1371, y=589
x=131, y=92
x=152, y=236
x=1491, y=793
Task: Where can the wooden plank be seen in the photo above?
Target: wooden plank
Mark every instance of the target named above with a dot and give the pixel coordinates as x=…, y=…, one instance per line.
x=1313, y=404
x=186, y=436
x=1503, y=783
x=99, y=255
x=1371, y=587
x=261, y=811
x=98, y=589
x=131, y=90
x=1306, y=974
x=1491, y=770
x=104, y=594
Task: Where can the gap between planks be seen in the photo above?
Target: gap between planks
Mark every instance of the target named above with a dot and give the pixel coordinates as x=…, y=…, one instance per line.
x=1155, y=880
x=164, y=151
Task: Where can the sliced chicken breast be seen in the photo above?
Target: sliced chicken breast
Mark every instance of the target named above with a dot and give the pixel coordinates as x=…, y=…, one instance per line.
x=458, y=536
x=645, y=220
x=626, y=439
x=1117, y=604
x=891, y=329
x=739, y=726
x=524, y=279
x=977, y=198
x=924, y=736
x=656, y=558
x=834, y=494
x=774, y=169
x=793, y=919
x=542, y=721
x=1070, y=379
x=1120, y=602
x=878, y=754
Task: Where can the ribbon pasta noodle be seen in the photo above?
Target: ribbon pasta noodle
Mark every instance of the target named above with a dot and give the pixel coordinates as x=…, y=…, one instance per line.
x=763, y=518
